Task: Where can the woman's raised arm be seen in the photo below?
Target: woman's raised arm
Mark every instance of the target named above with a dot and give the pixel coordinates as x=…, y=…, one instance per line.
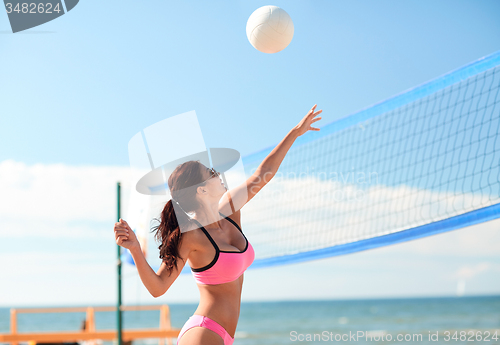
x=272, y=162
x=235, y=198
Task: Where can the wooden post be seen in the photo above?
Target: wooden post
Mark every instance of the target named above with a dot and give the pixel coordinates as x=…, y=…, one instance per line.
x=89, y=334
x=13, y=324
x=165, y=323
x=90, y=324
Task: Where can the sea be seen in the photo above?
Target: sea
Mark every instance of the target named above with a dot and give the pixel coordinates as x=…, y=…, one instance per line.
x=440, y=320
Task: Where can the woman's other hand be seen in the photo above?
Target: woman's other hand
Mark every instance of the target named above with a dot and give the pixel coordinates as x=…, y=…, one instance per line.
x=305, y=124
x=125, y=236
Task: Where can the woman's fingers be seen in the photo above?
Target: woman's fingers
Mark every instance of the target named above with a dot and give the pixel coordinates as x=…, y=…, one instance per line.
x=122, y=234
x=313, y=114
x=121, y=226
x=122, y=230
x=312, y=110
x=122, y=223
x=123, y=237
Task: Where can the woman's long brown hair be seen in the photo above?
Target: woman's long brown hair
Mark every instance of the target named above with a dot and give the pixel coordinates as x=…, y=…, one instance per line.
x=168, y=233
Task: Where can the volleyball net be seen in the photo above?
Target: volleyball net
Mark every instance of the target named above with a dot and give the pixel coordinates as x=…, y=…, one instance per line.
x=423, y=162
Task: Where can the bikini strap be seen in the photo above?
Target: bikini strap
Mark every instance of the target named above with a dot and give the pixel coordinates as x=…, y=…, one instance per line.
x=208, y=235
x=232, y=221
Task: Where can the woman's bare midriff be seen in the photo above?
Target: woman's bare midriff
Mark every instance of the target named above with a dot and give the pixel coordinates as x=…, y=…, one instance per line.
x=221, y=303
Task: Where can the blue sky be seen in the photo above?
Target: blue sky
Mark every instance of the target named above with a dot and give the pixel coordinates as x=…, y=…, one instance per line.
x=76, y=89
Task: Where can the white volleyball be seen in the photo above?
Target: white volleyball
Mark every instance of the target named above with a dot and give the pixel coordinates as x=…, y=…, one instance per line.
x=269, y=29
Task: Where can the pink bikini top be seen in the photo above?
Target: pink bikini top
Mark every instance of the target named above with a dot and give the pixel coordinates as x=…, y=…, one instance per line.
x=226, y=265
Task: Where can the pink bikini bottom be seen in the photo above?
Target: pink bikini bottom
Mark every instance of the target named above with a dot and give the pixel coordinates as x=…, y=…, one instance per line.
x=203, y=321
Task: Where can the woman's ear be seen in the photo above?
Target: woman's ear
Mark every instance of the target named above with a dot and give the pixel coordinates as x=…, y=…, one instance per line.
x=201, y=190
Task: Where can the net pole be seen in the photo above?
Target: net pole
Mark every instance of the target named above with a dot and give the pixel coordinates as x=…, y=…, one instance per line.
x=119, y=271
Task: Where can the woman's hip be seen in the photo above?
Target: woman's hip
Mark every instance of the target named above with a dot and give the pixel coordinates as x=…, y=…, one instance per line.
x=205, y=322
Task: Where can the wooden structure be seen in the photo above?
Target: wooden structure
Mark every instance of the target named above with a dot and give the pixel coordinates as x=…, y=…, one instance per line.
x=165, y=331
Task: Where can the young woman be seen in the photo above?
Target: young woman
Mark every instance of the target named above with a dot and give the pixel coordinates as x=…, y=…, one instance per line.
x=218, y=253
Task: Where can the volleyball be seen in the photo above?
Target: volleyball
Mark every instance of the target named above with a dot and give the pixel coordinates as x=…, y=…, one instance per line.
x=269, y=29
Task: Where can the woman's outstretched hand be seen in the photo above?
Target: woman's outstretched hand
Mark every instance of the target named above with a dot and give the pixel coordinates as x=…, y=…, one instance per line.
x=125, y=236
x=305, y=124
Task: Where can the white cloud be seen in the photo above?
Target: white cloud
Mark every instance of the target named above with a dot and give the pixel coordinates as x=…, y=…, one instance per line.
x=480, y=240
x=56, y=278
x=469, y=271
x=57, y=200
x=58, y=191
x=30, y=227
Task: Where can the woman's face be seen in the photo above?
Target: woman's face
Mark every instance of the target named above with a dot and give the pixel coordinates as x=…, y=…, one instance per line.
x=214, y=183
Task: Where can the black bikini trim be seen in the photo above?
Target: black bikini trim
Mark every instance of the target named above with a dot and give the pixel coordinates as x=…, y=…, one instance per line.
x=244, y=250
x=232, y=221
x=236, y=225
x=217, y=250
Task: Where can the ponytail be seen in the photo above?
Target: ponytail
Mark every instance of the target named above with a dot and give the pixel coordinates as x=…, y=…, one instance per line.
x=168, y=234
